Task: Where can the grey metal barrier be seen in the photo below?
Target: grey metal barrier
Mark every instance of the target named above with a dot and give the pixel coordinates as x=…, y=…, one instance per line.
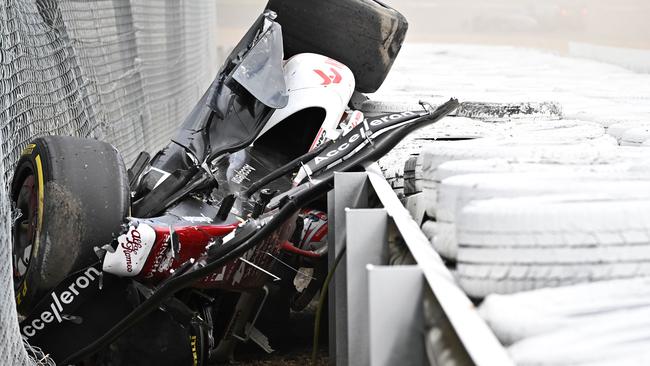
x=395, y=315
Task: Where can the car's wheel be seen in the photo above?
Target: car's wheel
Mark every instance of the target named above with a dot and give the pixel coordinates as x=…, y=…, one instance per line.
x=69, y=195
x=365, y=35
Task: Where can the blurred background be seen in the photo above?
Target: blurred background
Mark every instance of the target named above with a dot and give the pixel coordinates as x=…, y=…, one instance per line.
x=611, y=31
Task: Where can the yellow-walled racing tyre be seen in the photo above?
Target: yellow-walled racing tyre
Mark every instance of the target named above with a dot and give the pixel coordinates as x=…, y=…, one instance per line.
x=68, y=195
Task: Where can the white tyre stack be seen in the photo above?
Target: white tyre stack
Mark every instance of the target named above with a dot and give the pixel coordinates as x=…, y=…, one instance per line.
x=549, y=222
x=517, y=244
x=532, y=313
x=506, y=134
x=394, y=164
x=619, y=160
x=611, y=342
x=438, y=153
x=601, y=323
x=443, y=237
x=456, y=191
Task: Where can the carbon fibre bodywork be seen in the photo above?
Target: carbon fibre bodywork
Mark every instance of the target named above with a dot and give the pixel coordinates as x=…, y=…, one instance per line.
x=212, y=215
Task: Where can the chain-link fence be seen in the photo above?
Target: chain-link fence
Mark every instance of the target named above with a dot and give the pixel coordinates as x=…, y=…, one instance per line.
x=122, y=71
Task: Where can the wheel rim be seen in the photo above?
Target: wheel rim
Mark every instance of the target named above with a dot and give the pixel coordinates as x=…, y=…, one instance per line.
x=24, y=228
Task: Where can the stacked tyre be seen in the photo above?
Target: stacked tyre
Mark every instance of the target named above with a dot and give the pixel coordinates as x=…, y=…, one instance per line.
x=518, y=198
x=549, y=231
x=598, y=323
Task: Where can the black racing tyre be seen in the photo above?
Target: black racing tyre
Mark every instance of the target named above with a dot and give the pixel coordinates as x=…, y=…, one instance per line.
x=68, y=196
x=365, y=35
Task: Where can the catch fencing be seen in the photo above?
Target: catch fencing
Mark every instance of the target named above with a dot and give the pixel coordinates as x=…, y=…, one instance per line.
x=123, y=71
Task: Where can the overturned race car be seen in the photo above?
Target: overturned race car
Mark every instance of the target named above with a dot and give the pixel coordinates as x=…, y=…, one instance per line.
x=172, y=261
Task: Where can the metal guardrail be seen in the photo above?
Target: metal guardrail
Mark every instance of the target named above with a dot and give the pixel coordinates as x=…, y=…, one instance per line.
x=376, y=310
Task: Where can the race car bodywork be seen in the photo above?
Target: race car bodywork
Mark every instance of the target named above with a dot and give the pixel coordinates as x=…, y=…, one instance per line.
x=192, y=250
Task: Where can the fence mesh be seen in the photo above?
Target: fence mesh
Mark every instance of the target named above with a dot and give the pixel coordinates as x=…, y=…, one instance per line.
x=122, y=71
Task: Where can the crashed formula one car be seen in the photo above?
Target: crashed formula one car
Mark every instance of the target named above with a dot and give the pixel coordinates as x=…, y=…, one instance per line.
x=172, y=261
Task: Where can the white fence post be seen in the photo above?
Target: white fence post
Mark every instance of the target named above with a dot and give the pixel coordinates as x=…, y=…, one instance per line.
x=350, y=191
x=396, y=321
x=367, y=243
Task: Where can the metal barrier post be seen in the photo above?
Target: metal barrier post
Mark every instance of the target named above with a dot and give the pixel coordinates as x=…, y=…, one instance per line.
x=395, y=315
x=367, y=243
x=376, y=315
x=350, y=191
